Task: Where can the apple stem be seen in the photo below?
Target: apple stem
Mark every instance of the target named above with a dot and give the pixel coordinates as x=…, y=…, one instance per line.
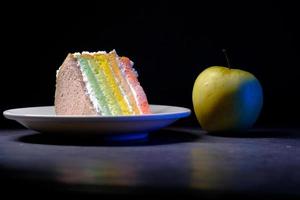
x=227, y=59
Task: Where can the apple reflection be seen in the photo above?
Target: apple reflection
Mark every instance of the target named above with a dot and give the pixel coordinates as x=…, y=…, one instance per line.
x=207, y=172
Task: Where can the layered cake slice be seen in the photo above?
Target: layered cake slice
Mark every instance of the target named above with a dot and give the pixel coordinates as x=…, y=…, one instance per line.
x=99, y=83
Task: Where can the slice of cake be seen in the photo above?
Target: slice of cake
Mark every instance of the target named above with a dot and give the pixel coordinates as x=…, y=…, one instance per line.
x=99, y=83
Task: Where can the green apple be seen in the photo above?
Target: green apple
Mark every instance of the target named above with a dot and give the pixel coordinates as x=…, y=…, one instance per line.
x=226, y=99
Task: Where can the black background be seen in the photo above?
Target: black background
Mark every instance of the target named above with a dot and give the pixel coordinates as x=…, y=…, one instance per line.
x=170, y=43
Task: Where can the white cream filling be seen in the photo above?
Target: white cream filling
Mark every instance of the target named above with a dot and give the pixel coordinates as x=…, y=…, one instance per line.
x=119, y=83
x=135, y=96
x=57, y=71
x=89, y=90
x=126, y=99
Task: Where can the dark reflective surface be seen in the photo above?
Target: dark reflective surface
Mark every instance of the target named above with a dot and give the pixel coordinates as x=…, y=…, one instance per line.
x=167, y=136
x=175, y=161
x=260, y=133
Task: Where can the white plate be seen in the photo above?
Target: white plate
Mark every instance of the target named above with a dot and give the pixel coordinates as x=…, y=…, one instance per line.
x=44, y=119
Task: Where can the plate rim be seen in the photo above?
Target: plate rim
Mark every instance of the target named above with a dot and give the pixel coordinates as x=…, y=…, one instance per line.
x=180, y=114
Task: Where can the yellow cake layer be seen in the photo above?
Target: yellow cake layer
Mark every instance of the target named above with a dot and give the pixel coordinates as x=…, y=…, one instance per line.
x=104, y=65
x=112, y=56
x=104, y=83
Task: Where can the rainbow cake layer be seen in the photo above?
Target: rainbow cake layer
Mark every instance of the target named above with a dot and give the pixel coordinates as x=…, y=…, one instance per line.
x=99, y=83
